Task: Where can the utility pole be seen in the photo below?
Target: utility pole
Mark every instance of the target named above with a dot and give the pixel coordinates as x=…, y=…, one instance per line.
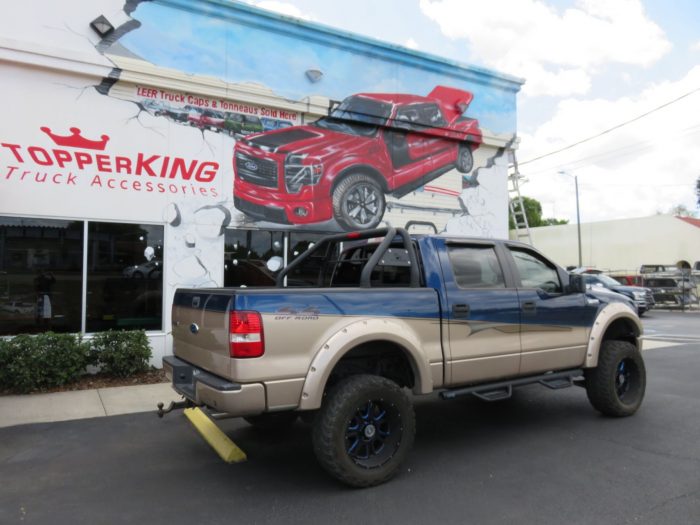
x=578, y=223
x=578, y=217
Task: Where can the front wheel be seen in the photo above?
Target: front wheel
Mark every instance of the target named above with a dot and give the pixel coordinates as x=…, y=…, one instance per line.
x=465, y=159
x=616, y=386
x=364, y=430
x=358, y=202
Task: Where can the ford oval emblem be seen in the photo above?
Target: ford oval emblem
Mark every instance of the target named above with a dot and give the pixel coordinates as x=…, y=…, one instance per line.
x=252, y=166
x=194, y=328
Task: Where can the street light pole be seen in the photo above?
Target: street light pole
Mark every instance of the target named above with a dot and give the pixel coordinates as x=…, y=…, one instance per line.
x=578, y=217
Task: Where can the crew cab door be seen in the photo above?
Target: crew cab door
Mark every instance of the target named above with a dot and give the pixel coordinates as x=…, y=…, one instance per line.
x=554, y=325
x=481, y=313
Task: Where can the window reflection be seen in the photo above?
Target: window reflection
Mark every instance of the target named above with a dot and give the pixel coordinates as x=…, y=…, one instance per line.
x=252, y=257
x=124, y=277
x=309, y=274
x=40, y=275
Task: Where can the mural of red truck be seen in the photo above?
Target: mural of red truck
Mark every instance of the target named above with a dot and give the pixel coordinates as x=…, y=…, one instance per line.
x=343, y=165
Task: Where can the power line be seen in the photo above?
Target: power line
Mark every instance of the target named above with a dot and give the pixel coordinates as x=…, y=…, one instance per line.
x=618, y=126
x=616, y=153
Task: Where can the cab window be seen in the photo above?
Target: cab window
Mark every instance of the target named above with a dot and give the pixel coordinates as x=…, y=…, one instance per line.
x=475, y=267
x=536, y=272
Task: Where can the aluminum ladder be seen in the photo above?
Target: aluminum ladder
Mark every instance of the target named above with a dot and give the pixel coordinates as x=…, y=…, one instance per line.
x=515, y=200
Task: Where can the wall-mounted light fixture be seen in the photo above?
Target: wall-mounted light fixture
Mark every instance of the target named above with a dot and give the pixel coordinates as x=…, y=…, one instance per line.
x=101, y=26
x=314, y=75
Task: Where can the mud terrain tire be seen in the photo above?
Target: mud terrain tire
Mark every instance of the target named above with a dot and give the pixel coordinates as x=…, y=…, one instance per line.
x=616, y=386
x=364, y=430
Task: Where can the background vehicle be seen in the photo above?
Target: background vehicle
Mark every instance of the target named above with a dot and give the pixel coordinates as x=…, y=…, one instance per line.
x=236, y=123
x=367, y=320
x=642, y=297
x=150, y=270
x=178, y=114
x=206, y=119
x=154, y=107
x=271, y=123
x=341, y=166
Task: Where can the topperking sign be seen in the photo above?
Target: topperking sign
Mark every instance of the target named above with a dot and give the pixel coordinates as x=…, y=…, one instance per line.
x=75, y=160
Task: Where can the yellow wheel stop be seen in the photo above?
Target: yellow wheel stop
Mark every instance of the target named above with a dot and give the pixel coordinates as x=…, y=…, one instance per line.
x=213, y=435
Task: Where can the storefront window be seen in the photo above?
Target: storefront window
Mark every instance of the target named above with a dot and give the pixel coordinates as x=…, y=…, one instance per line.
x=40, y=275
x=253, y=257
x=308, y=275
x=124, y=277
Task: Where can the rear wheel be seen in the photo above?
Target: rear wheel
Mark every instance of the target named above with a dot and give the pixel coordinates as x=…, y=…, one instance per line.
x=364, y=430
x=358, y=202
x=616, y=386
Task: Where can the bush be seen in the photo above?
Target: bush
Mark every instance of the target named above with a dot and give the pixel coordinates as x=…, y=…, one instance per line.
x=121, y=353
x=31, y=362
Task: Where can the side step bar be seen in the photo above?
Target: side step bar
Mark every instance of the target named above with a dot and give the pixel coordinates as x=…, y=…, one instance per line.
x=504, y=389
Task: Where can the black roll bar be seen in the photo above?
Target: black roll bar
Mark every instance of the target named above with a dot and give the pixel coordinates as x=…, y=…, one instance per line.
x=388, y=233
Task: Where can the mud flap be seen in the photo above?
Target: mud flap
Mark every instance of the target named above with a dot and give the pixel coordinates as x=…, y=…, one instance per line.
x=213, y=435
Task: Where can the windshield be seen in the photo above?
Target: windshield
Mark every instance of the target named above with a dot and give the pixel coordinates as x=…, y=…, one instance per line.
x=357, y=116
x=607, y=281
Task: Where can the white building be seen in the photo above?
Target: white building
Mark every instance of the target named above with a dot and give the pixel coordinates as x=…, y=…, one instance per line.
x=623, y=245
x=117, y=142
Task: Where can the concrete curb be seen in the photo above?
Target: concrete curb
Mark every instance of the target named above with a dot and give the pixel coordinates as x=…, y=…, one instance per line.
x=82, y=404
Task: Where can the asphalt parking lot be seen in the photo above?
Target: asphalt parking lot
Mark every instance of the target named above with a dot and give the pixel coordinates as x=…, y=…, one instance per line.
x=541, y=457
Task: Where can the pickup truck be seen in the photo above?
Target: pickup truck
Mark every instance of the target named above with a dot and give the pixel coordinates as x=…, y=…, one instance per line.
x=362, y=319
x=341, y=166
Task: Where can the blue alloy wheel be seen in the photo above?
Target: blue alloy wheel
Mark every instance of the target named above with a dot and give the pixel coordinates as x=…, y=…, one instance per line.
x=373, y=433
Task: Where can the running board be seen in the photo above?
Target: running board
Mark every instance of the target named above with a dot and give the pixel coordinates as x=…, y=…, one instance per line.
x=504, y=389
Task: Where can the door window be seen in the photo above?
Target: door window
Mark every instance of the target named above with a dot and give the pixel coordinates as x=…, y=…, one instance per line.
x=535, y=272
x=476, y=267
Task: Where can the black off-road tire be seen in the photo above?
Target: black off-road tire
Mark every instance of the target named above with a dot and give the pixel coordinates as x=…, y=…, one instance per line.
x=341, y=433
x=358, y=202
x=465, y=159
x=616, y=386
x=272, y=420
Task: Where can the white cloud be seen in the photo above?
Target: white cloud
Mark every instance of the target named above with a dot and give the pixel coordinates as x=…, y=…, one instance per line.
x=282, y=8
x=644, y=167
x=556, y=52
x=411, y=44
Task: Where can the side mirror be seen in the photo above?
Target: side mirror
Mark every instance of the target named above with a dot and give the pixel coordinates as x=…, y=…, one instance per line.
x=576, y=284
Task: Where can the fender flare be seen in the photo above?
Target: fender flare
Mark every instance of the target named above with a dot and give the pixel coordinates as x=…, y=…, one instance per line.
x=608, y=315
x=353, y=335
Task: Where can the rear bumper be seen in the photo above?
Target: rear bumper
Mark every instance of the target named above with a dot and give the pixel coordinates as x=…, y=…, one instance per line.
x=217, y=393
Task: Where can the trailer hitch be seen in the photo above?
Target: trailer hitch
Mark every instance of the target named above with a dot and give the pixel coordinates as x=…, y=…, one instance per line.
x=174, y=405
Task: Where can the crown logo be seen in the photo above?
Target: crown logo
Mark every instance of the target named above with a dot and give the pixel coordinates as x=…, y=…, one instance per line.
x=75, y=140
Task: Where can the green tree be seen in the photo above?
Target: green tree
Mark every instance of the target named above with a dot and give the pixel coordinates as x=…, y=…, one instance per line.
x=533, y=212
x=681, y=210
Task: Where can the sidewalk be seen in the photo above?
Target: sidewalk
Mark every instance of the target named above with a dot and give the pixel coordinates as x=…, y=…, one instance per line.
x=81, y=404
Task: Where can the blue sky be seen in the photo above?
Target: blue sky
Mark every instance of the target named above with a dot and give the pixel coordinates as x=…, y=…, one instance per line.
x=201, y=44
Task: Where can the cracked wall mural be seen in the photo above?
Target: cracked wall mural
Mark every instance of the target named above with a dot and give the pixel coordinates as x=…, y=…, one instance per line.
x=203, y=116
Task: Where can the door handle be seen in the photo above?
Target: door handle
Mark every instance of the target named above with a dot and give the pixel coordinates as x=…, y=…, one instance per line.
x=460, y=310
x=529, y=307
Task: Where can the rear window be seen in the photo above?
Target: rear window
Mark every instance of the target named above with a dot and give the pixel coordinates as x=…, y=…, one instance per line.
x=340, y=265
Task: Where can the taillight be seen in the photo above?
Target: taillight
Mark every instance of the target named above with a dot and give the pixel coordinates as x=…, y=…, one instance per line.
x=246, y=334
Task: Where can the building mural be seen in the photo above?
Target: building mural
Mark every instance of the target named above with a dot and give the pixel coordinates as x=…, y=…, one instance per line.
x=205, y=116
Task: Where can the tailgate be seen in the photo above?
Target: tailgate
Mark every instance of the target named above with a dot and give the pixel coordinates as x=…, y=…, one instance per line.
x=201, y=329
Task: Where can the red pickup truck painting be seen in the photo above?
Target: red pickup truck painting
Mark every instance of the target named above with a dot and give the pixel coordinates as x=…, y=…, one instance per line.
x=343, y=165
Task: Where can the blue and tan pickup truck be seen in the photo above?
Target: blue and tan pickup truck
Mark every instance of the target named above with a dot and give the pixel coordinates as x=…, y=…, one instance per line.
x=363, y=321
